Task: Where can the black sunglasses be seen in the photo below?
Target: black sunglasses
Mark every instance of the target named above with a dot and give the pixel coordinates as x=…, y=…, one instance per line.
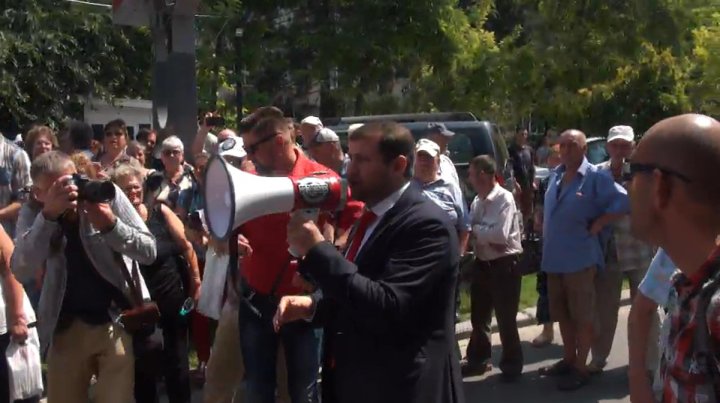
x=252, y=149
x=638, y=168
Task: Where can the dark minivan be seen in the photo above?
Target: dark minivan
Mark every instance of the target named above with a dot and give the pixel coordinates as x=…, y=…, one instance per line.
x=473, y=137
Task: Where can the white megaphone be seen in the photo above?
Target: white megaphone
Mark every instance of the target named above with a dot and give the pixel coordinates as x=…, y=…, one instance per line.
x=234, y=197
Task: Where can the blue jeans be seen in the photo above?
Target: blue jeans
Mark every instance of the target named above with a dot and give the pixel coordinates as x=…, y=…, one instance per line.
x=259, y=344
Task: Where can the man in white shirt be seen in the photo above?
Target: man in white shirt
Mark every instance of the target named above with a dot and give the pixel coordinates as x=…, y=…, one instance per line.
x=495, y=281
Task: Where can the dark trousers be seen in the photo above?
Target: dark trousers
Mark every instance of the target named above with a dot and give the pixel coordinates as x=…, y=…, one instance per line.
x=495, y=285
x=259, y=344
x=543, y=303
x=5, y=374
x=174, y=367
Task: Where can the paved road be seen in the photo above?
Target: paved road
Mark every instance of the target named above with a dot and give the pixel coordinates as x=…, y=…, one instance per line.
x=611, y=386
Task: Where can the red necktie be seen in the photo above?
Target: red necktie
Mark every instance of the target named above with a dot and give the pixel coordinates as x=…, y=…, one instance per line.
x=365, y=220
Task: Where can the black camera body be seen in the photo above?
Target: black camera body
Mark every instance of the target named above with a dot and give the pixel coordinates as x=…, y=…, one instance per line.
x=93, y=191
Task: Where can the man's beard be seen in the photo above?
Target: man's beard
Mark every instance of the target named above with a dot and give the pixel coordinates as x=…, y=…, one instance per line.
x=262, y=170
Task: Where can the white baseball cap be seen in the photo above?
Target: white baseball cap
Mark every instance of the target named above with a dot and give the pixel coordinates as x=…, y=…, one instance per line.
x=232, y=147
x=621, y=133
x=354, y=127
x=313, y=121
x=428, y=146
x=325, y=135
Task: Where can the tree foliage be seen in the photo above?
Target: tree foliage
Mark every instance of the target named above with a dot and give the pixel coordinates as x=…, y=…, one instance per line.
x=589, y=64
x=52, y=55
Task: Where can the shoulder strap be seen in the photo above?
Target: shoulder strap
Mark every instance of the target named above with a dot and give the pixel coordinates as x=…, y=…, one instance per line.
x=279, y=277
x=707, y=353
x=133, y=281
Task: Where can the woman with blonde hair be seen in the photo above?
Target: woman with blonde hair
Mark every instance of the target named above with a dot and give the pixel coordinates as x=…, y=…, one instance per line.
x=39, y=140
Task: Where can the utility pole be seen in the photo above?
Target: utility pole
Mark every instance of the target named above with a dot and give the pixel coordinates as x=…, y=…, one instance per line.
x=174, y=89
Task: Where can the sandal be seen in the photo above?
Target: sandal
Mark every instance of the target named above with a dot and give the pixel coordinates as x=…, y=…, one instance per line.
x=559, y=368
x=573, y=381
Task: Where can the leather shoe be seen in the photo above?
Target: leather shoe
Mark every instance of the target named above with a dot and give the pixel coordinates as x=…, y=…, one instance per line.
x=469, y=369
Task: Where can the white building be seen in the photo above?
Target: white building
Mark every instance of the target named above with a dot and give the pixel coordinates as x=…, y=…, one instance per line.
x=137, y=113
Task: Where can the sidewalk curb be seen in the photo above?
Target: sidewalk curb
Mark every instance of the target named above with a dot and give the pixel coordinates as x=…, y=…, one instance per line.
x=525, y=317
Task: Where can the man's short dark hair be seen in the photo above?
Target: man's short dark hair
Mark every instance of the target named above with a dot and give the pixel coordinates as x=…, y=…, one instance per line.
x=81, y=135
x=395, y=140
x=485, y=164
x=117, y=124
x=143, y=135
x=269, y=126
x=248, y=123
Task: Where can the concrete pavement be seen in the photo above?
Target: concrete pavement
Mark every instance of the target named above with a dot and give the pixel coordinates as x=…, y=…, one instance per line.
x=611, y=386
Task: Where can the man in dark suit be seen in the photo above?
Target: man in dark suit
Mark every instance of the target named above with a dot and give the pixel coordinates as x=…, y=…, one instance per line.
x=387, y=303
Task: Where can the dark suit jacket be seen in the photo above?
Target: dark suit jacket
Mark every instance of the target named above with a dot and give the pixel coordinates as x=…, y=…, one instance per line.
x=389, y=320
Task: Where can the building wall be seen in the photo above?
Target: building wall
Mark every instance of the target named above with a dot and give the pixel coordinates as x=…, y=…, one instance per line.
x=137, y=114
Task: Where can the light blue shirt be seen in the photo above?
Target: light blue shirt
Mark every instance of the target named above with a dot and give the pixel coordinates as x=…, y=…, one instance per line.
x=444, y=193
x=568, y=246
x=658, y=280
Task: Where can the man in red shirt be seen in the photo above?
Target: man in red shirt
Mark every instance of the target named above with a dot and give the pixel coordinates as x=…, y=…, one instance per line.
x=268, y=273
x=674, y=198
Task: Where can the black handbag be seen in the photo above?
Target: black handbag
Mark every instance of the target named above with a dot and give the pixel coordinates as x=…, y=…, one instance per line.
x=531, y=258
x=141, y=320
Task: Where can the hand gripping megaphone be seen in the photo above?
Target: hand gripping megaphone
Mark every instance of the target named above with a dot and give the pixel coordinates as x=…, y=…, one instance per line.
x=234, y=197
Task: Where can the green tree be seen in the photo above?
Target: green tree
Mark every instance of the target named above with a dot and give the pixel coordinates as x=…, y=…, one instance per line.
x=52, y=55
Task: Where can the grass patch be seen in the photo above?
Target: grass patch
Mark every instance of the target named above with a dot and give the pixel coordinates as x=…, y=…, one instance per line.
x=528, y=295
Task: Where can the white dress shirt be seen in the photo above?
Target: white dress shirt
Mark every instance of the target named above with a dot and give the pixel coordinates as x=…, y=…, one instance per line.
x=496, y=221
x=380, y=209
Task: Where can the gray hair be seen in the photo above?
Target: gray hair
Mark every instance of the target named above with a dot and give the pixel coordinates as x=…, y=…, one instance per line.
x=173, y=143
x=129, y=168
x=485, y=164
x=50, y=163
x=135, y=145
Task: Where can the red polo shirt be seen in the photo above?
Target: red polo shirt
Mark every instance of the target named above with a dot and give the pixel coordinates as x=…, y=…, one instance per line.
x=268, y=238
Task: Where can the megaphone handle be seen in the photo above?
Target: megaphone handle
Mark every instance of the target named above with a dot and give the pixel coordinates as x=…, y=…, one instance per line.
x=310, y=214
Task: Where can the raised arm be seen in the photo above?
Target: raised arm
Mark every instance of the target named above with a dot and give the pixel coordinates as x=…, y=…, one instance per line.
x=130, y=236
x=415, y=268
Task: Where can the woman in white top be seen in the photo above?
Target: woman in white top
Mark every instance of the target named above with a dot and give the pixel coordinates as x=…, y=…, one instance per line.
x=16, y=315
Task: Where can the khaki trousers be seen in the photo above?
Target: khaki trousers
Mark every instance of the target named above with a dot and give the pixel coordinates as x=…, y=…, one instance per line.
x=225, y=371
x=81, y=351
x=608, y=286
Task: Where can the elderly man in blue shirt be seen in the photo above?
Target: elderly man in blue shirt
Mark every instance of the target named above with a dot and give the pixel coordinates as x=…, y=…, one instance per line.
x=580, y=203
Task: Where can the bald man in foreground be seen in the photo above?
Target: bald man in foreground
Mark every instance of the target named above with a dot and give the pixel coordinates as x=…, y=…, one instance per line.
x=675, y=196
x=580, y=203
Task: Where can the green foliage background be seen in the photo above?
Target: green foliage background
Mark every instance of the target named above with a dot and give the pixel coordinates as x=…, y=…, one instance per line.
x=560, y=63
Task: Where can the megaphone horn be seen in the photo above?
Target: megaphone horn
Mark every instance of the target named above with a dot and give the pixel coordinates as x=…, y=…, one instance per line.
x=234, y=197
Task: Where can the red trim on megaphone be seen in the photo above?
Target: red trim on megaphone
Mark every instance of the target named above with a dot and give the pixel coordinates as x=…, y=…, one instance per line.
x=324, y=192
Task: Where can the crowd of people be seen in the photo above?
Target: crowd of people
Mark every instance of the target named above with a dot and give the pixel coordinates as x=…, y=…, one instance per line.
x=107, y=241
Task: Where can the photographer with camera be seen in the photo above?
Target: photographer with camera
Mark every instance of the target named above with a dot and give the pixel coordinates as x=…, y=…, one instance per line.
x=174, y=283
x=87, y=236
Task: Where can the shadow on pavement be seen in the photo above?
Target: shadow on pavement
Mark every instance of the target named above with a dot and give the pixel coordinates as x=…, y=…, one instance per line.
x=611, y=385
x=531, y=354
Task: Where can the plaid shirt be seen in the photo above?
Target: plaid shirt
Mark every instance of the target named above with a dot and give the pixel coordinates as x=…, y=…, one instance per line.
x=684, y=372
x=625, y=251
